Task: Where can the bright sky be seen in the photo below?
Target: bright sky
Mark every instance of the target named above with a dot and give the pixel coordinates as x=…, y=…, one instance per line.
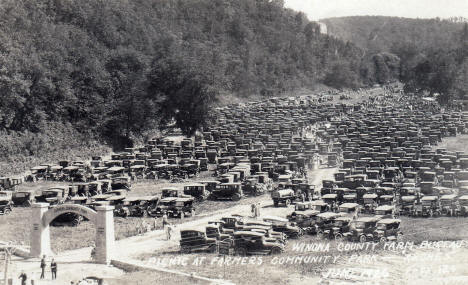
x=319, y=9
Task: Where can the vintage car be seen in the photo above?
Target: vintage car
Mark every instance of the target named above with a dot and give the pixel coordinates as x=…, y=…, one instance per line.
x=332, y=201
x=463, y=204
x=321, y=206
x=215, y=229
x=362, y=229
x=388, y=230
x=325, y=221
x=121, y=182
x=55, y=195
x=430, y=207
x=175, y=207
x=305, y=220
x=22, y=198
x=384, y=211
x=408, y=205
x=291, y=230
x=283, y=196
x=196, y=240
x=254, y=243
x=210, y=185
x=198, y=191
x=136, y=206
x=340, y=226
x=370, y=203
x=6, y=204
x=349, y=208
x=449, y=205
x=228, y=191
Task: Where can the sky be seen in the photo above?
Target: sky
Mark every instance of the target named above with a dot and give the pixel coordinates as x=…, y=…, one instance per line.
x=319, y=9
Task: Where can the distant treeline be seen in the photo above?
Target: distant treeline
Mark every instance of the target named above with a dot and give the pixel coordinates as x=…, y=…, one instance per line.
x=116, y=69
x=433, y=53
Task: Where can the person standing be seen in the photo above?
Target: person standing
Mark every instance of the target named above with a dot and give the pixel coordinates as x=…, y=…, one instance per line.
x=43, y=266
x=23, y=278
x=164, y=220
x=53, y=269
x=168, y=232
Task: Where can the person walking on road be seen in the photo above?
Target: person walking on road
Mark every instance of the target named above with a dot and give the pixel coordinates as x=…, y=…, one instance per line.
x=168, y=232
x=53, y=269
x=23, y=278
x=43, y=266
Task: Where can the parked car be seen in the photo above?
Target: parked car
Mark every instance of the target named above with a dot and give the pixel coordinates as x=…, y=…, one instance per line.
x=388, y=230
x=362, y=229
x=196, y=240
x=282, y=225
x=228, y=191
x=340, y=225
x=198, y=191
x=6, y=205
x=283, y=196
x=22, y=198
x=254, y=243
x=53, y=196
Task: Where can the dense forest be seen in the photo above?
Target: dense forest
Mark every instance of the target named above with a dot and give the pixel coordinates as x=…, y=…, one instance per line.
x=433, y=53
x=116, y=69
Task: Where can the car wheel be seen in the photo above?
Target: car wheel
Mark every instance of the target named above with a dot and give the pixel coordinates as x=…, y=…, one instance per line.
x=276, y=250
x=27, y=204
x=338, y=236
x=362, y=238
x=192, y=213
x=300, y=233
x=241, y=251
x=383, y=240
x=275, y=203
x=288, y=202
x=399, y=237
x=212, y=248
x=145, y=214
x=185, y=249
x=236, y=197
x=6, y=211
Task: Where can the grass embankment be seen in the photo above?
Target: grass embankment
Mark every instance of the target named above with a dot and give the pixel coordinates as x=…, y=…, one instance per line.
x=19, y=151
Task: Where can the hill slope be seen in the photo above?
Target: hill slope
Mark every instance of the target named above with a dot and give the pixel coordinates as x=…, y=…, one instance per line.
x=115, y=69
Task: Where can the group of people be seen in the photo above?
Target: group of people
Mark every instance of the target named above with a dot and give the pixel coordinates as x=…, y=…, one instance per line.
x=255, y=209
x=53, y=269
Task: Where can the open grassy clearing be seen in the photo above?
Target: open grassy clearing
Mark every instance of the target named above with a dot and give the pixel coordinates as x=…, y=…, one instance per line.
x=458, y=143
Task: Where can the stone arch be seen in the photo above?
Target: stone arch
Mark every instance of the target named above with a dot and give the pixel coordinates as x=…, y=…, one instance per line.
x=102, y=218
x=54, y=212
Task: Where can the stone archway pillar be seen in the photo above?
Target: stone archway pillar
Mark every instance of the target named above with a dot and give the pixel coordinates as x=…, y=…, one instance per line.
x=40, y=233
x=105, y=240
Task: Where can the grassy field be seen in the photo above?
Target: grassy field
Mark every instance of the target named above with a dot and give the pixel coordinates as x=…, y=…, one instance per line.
x=458, y=143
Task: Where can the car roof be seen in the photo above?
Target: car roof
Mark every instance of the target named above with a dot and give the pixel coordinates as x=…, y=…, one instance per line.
x=448, y=197
x=329, y=196
x=367, y=219
x=168, y=199
x=389, y=221
x=429, y=198
x=328, y=215
x=384, y=207
x=248, y=233
x=349, y=205
x=275, y=218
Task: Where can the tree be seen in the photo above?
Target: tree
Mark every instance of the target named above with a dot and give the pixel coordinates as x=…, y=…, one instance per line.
x=187, y=94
